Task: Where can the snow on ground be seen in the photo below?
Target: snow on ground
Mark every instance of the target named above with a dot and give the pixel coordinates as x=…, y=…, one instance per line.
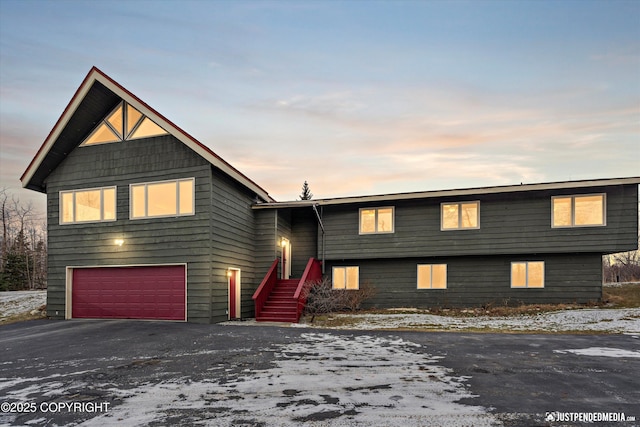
x=601, y=351
x=19, y=302
x=324, y=380
x=595, y=320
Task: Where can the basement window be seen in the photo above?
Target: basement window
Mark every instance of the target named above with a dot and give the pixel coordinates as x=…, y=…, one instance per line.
x=529, y=274
x=162, y=199
x=345, y=278
x=587, y=210
x=88, y=205
x=432, y=276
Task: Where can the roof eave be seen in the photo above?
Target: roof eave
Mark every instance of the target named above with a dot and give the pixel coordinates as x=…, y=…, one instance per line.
x=96, y=75
x=453, y=193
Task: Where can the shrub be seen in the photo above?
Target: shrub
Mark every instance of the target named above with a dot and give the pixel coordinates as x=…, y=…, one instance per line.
x=322, y=298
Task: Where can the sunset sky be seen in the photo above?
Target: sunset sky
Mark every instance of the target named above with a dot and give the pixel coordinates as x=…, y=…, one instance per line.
x=357, y=97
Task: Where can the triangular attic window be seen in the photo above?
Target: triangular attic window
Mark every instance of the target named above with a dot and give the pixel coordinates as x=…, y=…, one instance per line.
x=123, y=117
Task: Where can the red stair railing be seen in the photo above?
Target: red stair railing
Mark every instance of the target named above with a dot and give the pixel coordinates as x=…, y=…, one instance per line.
x=312, y=273
x=264, y=290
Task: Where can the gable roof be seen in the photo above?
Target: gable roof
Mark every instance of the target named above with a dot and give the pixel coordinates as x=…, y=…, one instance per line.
x=95, y=98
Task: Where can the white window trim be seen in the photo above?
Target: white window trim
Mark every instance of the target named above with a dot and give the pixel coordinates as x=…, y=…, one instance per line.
x=458, y=228
x=526, y=286
x=393, y=220
x=573, y=210
x=446, y=281
x=146, y=198
x=79, y=190
x=333, y=275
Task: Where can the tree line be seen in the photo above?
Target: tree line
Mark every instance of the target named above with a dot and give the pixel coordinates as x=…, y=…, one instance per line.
x=23, y=245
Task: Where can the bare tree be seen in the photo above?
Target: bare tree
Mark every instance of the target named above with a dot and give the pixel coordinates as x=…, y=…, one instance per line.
x=23, y=249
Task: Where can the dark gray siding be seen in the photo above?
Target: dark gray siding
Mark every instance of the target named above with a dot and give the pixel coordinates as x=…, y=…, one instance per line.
x=232, y=244
x=513, y=223
x=478, y=280
x=304, y=238
x=149, y=241
x=265, y=241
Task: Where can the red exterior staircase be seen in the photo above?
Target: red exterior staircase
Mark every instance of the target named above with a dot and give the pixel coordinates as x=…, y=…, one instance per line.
x=278, y=300
x=280, y=305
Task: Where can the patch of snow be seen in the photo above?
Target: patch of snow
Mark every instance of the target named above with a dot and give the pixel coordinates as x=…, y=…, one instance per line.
x=601, y=351
x=336, y=381
x=597, y=320
x=18, y=302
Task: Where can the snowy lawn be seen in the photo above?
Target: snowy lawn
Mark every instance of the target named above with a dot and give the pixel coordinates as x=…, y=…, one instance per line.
x=625, y=321
x=14, y=303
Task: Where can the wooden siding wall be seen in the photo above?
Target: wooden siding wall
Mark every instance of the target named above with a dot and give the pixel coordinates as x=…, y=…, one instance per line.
x=147, y=241
x=265, y=241
x=304, y=239
x=476, y=280
x=509, y=224
x=232, y=244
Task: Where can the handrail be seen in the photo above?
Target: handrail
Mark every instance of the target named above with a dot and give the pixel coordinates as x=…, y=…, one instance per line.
x=312, y=272
x=262, y=293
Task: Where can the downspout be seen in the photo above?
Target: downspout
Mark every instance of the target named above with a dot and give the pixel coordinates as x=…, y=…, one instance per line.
x=319, y=217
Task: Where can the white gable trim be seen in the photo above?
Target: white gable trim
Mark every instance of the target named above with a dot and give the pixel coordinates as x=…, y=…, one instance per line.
x=189, y=141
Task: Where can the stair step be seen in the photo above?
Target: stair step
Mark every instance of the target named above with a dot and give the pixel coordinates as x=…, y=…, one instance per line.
x=276, y=319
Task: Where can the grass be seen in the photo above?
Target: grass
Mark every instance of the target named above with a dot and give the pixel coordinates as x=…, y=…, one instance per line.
x=39, y=313
x=623, y=296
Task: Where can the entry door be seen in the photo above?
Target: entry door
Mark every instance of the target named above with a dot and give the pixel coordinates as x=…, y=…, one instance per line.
x=234, y=293
x=286, y=259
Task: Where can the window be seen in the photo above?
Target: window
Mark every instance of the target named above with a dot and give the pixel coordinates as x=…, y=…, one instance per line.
x=88, y=205
x=463, y=215
x=122, y=124
x=529, y=274
x=346, y=277
x=164, y=198
x=432, y=276
x=578, y=211
x=376, y=220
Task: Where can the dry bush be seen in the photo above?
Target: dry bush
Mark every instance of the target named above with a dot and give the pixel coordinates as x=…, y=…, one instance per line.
x=322, y=298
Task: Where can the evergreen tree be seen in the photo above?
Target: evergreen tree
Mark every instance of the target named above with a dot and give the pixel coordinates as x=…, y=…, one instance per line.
x=306, y=193
x=14, y=277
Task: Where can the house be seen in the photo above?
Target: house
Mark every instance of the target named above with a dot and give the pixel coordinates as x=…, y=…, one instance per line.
x=146, y=222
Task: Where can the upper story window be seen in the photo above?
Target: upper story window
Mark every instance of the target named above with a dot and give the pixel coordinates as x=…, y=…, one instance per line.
x=578, y=211
x=376, y=220
x=122, y=124
x=460, y=216
x=88, y=205
x=528, y=274
x=162, y=198
x=432, y=276
x=345, y=278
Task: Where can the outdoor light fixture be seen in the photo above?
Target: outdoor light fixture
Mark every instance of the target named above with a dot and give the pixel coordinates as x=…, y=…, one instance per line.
x=119, y=242
x=283, y=242
x=229, y=273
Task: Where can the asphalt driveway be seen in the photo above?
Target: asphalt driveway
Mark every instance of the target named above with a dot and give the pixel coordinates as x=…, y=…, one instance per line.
x=164, y=373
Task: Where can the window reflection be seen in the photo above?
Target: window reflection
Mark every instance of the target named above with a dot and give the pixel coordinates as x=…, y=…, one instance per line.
x=93, y=205
x=166, y=198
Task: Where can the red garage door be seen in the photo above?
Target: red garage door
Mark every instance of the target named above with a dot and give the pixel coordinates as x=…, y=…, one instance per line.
x=157, y=292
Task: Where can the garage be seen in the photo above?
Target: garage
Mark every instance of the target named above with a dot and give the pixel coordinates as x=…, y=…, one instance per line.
x=148, y=292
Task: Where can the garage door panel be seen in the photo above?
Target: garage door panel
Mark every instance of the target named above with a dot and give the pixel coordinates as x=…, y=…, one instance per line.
x=156, y=292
